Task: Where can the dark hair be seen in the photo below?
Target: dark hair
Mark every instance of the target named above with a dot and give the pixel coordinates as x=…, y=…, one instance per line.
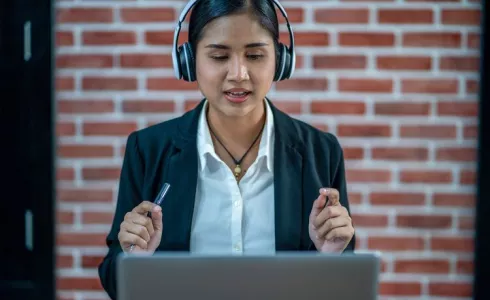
x=207, y=10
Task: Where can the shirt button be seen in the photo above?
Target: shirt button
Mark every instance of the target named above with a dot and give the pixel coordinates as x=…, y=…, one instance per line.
x=237, y=247
x=237, y=203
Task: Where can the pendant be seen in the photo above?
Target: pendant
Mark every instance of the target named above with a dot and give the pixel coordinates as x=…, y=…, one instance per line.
x=238, y=170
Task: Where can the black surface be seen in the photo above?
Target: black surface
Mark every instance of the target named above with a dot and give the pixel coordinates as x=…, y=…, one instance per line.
x=27, y=150
x=482, y=243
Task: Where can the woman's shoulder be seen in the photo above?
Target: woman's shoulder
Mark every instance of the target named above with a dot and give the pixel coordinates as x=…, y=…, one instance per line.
x=312, y=136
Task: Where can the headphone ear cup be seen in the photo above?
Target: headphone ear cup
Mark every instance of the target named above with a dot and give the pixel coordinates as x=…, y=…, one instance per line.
x=187, y=62
x=283, y=63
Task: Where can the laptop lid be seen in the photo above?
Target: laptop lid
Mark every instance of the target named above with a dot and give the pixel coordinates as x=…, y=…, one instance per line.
x=283, y=276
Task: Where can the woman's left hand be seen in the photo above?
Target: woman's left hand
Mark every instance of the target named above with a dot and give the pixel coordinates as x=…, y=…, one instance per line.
x=330, y=225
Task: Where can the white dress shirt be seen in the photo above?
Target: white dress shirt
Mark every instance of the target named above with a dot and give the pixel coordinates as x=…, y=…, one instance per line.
x=233, y=218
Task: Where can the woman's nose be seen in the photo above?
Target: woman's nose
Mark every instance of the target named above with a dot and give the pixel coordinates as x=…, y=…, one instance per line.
x=237, y=70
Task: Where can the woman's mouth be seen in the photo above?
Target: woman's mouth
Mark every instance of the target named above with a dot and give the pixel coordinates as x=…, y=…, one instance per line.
x=237, y=97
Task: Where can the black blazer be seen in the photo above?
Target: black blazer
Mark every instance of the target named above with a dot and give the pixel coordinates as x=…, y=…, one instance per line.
x=305, y=159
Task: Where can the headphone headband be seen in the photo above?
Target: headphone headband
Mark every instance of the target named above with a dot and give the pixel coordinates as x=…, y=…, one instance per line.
x=187, y=9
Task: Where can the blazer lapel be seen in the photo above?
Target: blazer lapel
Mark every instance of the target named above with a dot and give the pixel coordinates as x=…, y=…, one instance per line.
x=288, y=186
x=180, y=172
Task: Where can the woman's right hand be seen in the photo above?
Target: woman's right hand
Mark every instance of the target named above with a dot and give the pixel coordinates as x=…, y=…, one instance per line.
x=139, y=229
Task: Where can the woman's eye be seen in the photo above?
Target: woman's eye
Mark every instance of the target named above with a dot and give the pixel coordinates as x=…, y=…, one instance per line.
x=219, y=57
x=255, y=56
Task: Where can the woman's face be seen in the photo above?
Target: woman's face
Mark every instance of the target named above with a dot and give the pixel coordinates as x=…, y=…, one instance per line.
x=235, y=65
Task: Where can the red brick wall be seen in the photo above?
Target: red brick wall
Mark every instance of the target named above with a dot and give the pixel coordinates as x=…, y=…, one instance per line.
x=396, y=81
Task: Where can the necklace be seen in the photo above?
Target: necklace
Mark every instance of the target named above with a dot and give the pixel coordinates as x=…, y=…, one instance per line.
x=238, y=162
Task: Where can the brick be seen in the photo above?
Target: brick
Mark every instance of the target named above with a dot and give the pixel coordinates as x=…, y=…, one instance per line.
x=81, y=239
x=308, y=38
x=400, y=289
x=64, y=261
x=65, y=217
x=454, y=200
x=366, y=175
x=464, y=266
x=342, y=16
x=470, y=131
x=430, y=86
x=467, y=154
x=101, y=173
x=148, y=106
x=432, y=39
x=94, y=83
x=190, y=104
x=94, y=217
x=108, y=38
x=405, y=16
x=425, y=176
x=460, y=63
x=365, y=85
x=461, y=16
x=295, y=15
x=472, y=86
x=78, y=283
x=351, y=153
x=65, y=173
x=64, y=38
x=368, y=39
x=170, y=83
x=385, y=243
x=466, y=223
x=398, y=62
x=339, y=62
x=396, y=198
x=308, y=84
x=421, y=221
x=424, y=266
x=452, y=244
x=91, y=261
x=85, y=151
x=338, y=107
x=345, y=130
x=458, y=108
x=83, y=61
x=428, y=131
x=147, y=14
x=81, y=106
x=473, y=40
x=84, y=195
x=354, y=198
x=145, y=60
x=65, y=128
x=163, y=38
x=84, y=15
x=400, y=154
x=450, y=289
x=64, y=83
x=467, y=177
x=289, y=107
x=401, y=109
x=369, y=220
x=108, y=128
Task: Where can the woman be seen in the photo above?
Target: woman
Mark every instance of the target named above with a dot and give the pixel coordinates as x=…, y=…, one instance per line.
x=245, y=177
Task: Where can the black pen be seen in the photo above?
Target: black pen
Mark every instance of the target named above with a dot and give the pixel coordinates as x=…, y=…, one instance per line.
x=158, y=200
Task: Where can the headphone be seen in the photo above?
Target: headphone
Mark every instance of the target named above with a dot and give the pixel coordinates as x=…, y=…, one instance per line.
x=184, y=62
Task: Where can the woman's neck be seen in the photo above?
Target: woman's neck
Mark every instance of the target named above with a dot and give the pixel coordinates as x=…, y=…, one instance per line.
x=237, y=131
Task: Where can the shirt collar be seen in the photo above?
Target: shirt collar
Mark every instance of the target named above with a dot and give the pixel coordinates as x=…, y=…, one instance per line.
x=205, y=146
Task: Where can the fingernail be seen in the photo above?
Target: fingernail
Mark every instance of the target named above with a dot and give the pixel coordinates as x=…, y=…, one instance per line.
x=324, y=190
x=158, y=209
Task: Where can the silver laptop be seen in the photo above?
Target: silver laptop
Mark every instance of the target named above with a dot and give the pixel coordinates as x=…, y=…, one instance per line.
x=289, y=276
